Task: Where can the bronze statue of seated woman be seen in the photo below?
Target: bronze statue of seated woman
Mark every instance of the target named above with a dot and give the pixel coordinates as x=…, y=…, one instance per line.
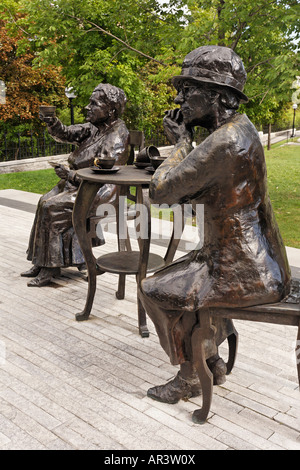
x=53, y=243
x=242, y=261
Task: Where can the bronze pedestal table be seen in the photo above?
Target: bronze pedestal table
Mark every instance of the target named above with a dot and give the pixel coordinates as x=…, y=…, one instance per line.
x=121, y=262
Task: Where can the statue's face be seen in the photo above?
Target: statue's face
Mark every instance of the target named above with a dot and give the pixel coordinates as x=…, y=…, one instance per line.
x=97, y=110
x=195, y=103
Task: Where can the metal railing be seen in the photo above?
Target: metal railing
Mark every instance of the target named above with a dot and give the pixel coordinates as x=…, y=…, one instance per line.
x=30, y=146
x=159, y=139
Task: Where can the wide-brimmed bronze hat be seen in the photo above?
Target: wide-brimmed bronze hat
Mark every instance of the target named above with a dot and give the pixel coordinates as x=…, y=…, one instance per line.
x=217, y=65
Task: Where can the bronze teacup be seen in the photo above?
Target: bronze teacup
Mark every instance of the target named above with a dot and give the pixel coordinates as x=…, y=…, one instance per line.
x=47, y=111
x=104, y=163
x=157, y=160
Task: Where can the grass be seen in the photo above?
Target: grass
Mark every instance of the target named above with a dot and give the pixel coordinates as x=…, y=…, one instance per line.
x=283, y=165
x=38, y=181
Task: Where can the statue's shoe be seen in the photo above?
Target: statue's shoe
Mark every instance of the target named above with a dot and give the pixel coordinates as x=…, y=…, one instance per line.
x=82, y=267
x=175, y=390
x=183, y=389
x=44, y=277
x=32, y=272
x=219, y=369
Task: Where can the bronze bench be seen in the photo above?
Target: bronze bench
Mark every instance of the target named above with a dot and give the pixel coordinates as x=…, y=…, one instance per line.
x=286, y=312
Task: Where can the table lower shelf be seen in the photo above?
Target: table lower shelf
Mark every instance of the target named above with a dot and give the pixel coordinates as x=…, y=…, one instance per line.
x=127, y=262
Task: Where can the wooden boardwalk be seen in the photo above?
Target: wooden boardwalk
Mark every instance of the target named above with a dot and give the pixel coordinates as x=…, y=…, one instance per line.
x=69, y=385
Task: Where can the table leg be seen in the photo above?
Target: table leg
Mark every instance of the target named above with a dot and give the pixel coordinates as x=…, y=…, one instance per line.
x=143, y=198
x=142, y=319
x=178, y=221
x=120, y=294
x=123, y=239
x=200, y=335
x=85, y=196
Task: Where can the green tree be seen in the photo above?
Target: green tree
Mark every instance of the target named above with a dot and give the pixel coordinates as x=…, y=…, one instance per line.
x=121, y=42
x=140, y=44
x=264, y=34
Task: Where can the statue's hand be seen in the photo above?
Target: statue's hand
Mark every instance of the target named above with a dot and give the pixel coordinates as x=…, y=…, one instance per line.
x=49, y=120
x=61, y=171
x=175, y=128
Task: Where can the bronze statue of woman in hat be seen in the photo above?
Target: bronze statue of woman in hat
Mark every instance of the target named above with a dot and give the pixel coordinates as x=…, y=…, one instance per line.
x=242, y=261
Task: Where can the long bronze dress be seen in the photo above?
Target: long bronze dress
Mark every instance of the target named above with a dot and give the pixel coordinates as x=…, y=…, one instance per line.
x=53, y=242
x=242, y=261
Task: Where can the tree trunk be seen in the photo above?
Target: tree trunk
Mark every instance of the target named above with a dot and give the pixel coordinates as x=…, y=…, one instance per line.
x=221, y=32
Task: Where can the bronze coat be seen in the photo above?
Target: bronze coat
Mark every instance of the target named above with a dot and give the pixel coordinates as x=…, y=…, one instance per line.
x=53, y=242
x=243, y=260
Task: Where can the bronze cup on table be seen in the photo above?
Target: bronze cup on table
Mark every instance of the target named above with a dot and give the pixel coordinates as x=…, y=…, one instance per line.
x=147, y=156
x=47, y=111
x=143, y=156
x=155, y=158
x=105, y=163
x=156, y=161
x=146, y=153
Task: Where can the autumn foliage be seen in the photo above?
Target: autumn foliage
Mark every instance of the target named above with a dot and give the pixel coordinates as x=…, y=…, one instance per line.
x=27, y=87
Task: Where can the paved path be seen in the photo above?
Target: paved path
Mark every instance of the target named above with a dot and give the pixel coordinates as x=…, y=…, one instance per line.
x=70, y=385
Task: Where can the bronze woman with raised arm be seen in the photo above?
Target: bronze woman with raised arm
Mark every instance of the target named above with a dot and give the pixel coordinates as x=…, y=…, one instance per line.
x=53, y=243
x=242, y=261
